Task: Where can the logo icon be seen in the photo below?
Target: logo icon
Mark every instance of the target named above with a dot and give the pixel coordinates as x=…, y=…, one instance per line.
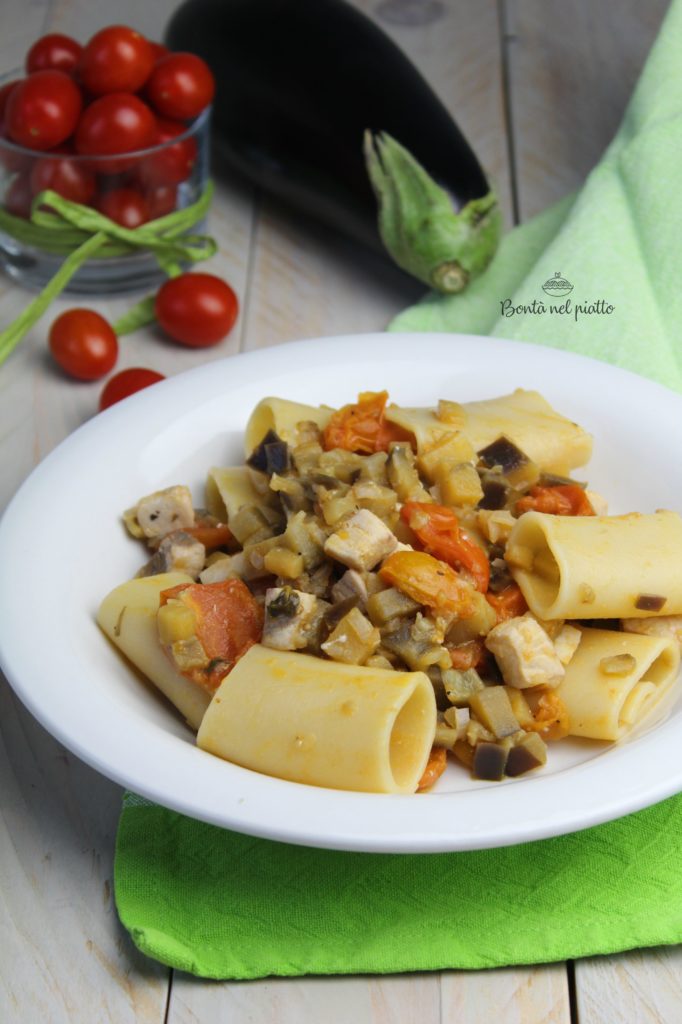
x=557, y=285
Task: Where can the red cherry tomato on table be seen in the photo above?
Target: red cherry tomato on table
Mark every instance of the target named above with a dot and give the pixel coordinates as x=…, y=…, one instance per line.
x=196, y=309
x=125, y=383
x=43, y=110
x=125, y=206
x=83, y=343
x=117, y=59
x=69, y=178
x=54, y=51
x=181, y=86
x=173, y=163
x=117, y=123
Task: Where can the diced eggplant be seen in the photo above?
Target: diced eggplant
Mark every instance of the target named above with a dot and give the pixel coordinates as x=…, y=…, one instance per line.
x=281, y=561
x=496, y=491
x=270, y=456
x=461, y=686
x=492, y=707
x=503, y=455
x=354, y=639
x=490, y=761
x=460, y=485
x=528, y=753
x=390, y=604
x=650, y=602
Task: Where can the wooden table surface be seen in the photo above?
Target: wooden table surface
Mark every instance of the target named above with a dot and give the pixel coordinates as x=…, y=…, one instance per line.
x=538, y=87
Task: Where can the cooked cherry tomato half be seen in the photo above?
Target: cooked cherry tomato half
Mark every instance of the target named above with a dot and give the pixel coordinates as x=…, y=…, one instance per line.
x=125, y=383
x=557, y=500
x=181, y=86
x=361, y=427
x=438, y=530
x=69, y=178
x=54, y=51
x=43, y=110
x=429, y=581
x=83, y=343
x=196, y=309
x=117, y=59
x=117, y=123
x=125, y=206
x=173, y=163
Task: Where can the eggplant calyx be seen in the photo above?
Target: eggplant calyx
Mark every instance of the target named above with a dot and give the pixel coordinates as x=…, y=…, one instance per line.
x=419, y=224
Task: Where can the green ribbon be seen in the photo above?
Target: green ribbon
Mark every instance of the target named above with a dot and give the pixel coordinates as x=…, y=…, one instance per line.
x=81, y=233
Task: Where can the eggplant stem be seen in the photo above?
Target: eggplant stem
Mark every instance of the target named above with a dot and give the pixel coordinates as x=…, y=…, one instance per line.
x=419, y=225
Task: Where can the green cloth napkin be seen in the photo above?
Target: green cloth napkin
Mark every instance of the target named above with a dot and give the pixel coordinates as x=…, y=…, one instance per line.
x=223, y=905
x=618, y=243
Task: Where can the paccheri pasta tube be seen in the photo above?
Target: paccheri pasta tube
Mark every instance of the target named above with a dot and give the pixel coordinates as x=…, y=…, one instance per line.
x=614, y=680
x=549, y=439
x=128, y=617
x=283, y=417
x=598, y=567
x=323, y=723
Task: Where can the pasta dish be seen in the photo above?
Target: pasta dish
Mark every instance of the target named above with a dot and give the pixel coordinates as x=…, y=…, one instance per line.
x=380, y=590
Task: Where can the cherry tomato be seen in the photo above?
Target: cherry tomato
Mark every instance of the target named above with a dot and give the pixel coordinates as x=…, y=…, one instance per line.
x=54, y=51
x=68, y=177
x=43, y=110
x=4, y=96
x=181, y=86
x=161, y=200
x=438, y=530
x=173, y=163
x=117, y=123
x=125, y=383
x=125, y=206
x=196, y=309
x=361, y=427
x=557, y=500
x=14, y=158
x=117, y=59
x=19, y=196
x=158, y=49
x=83, y=344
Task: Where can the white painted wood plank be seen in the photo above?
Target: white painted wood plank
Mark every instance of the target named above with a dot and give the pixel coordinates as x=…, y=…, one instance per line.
x=572, y=68
x=513, y=995
x=399, y=999
x=65, y=957
x=644, y=986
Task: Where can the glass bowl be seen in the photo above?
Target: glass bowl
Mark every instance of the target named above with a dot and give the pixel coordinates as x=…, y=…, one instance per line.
x=140, y=186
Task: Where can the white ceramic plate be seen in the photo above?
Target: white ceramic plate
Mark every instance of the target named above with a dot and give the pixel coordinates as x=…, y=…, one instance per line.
x=63, y=547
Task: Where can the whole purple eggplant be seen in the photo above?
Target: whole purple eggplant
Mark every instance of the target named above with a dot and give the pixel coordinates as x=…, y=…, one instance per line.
x=316, y=105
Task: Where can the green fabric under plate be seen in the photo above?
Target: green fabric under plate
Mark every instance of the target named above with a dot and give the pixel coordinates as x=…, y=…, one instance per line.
x=223, y=905
x=618, y=241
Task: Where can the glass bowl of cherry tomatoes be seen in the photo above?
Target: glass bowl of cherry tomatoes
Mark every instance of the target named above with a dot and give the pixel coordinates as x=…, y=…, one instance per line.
x=119, y=125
